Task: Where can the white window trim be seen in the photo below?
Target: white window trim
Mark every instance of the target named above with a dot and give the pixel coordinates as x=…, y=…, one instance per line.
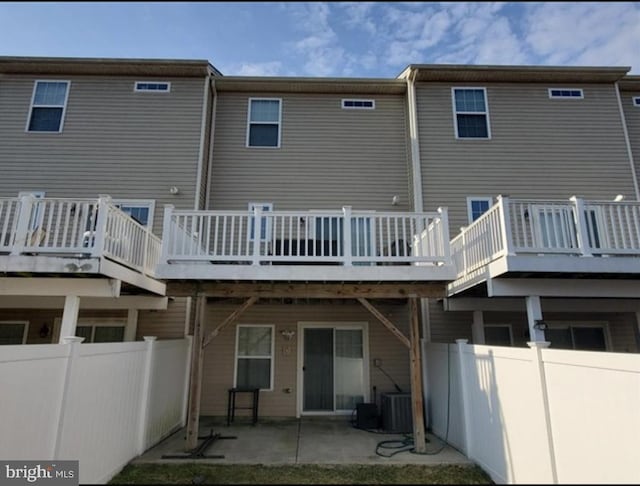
x=372, y=107
x=155, y=91
x=267, y=233
x=139, y=203
x=581, y=97
x=604, y=325
x=636, y=101
x=470, y=199
x=503, y=325
x=249, y=123
x=93, y=322
x=455, y=112
x=33, y=98
x=272, y=357
x=25, y=333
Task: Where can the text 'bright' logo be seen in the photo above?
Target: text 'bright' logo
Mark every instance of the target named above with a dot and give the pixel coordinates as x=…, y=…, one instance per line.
x=32, y=474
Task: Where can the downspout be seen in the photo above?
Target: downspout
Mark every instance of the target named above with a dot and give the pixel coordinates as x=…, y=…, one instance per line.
x=415, y=144
x=203, y=129
x=418, y=206
x=628, y=142
x=212, y=130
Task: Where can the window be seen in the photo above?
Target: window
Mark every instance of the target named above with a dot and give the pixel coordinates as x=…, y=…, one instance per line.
x=471, y=113
x=152, y=87
x=578, y=336
x=636, y=101
x=48, y=106
x=477, y=206
x=498, y=335
x=140, y=210
x=572, y=94
x=265, y=223
x=358, y=105
x=97, y=329
x=13, y=332
x=263, y=127
x=254, y=356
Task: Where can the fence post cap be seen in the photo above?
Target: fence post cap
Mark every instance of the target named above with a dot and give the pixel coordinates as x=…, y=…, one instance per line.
x=538, y=344
x=150, y=339
x=72, y=339
x=462, y=341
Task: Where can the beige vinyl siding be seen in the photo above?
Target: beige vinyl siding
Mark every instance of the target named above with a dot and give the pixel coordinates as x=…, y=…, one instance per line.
x=220, y=354
x=452, y=325
x=539, y=147
x=165, y=324
x=329, y=157
x=632, y=117
x=115, y=141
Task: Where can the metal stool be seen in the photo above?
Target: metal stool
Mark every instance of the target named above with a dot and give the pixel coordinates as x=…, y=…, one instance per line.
x=231, y=403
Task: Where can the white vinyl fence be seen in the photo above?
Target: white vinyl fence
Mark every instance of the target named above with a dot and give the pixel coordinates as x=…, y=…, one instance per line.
x=102, y=404
x=538, y=415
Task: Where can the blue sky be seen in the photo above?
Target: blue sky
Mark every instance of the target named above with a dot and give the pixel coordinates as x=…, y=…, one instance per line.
x=355, y=39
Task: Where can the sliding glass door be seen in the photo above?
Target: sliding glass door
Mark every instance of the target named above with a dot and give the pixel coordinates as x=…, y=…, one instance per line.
x=333, y=369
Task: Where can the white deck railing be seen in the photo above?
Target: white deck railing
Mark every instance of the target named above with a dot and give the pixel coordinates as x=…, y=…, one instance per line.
x=78, y=228
x=543, y=227
x=297, y=237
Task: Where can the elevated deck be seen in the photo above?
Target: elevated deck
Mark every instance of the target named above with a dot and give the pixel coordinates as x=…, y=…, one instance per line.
x=66, y=237
x=548, y=241
x=305, y=246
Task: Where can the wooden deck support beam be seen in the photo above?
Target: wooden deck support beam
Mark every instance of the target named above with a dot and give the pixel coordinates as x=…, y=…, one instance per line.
x=417, y=405
x=195, y=379
x=197, y=359
x=303, y=290
x=385, y=322
x=232, y=318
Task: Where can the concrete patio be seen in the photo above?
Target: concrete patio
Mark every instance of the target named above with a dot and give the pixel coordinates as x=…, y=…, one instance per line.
x=304, y=441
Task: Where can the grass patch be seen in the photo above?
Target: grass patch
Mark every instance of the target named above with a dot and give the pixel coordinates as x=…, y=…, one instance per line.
x=298, y=474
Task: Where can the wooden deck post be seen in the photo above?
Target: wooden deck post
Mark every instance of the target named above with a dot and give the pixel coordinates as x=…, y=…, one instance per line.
x=417, y=407
x=195, y=381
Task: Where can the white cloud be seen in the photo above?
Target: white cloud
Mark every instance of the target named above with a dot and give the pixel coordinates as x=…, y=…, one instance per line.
x=272, y=68
x=320, y=48
x=401, y=33
x=358, y=16
x=584, y=33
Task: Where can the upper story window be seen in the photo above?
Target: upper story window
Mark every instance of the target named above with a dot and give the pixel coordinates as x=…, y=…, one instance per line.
x=565, y=93
x=358, y=104
x=471, y=112
x=477, y=206
x=48, y=106
x=140, y=210
x=152, y=87
x=636, y=101
x=263, y=124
